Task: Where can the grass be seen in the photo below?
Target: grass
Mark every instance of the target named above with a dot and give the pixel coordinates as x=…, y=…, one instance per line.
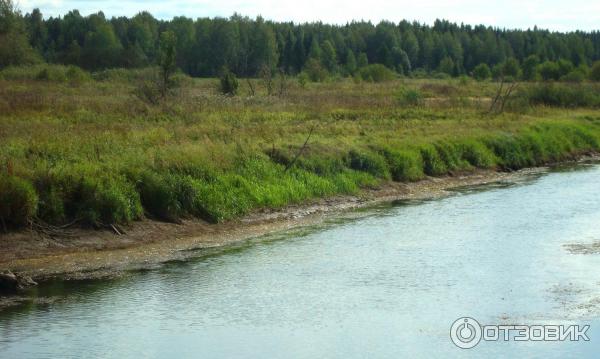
x=90, y=150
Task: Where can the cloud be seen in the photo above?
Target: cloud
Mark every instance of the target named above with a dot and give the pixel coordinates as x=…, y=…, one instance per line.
x=552, y=14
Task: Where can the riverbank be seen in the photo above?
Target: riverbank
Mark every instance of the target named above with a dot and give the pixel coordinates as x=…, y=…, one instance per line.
x=86, y=253
x=96, y=254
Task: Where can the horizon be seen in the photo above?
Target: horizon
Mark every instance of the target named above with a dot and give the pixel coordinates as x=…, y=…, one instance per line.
x=555, y=17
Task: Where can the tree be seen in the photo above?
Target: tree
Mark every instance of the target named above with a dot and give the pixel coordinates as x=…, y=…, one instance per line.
x=530, y=67
x=229, y=83
x=263, y=47
x=329, y=56
x=362, y=60
x=511, y=68
x=446, y=66
x=595, y=71
x=401, y=61
x=102, y=48
x=167, y=61
x=564, y=67
x=315, y=50
x=14, y=45
x=36, y=28
x=482, y=72
x=549, y=70
x=350, y=62
x=315, y=71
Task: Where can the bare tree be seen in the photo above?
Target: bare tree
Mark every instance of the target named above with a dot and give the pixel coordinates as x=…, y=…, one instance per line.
x=502, y=96
x=267, y=75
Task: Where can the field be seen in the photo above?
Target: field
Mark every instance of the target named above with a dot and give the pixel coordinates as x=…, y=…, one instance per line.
x=82, y=149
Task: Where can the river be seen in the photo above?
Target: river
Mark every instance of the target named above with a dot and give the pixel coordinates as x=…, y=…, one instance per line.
x=383, y=282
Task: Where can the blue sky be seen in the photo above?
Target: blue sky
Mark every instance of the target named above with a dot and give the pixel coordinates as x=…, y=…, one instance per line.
x=551, y=14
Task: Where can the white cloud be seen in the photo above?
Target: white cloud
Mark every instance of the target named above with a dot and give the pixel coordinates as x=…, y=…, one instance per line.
x=553, y=14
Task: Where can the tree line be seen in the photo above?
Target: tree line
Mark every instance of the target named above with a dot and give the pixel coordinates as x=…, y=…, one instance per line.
x=247, y=46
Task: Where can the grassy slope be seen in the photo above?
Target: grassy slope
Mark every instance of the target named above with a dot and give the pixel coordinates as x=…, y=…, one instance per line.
x=95, y=153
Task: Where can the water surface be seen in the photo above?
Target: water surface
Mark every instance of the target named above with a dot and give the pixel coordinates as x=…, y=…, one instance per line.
x=387, y=283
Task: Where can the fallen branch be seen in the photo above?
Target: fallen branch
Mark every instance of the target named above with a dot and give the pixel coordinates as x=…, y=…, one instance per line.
x=300, y=151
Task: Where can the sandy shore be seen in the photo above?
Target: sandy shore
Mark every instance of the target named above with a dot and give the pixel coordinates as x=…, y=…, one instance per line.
x=147, y=243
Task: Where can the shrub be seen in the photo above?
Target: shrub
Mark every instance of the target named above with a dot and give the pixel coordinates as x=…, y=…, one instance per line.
x=433, y=165
x=76, y=75
x=368, y=162
x=476, y=154
x=159, y=197
x=409, y=97
x=229, y=83
x=51, y=73
x=303, y=79
x=549, y=70
x=482, y=72
x=18, y=201
x=595, y=71
x=575, y=76
x=563, y=95
x=100, y=200
x=405, y=165
x=510, y=152
x=315, y=71
x=376, y=73
x=51, y=207
x=450, y=155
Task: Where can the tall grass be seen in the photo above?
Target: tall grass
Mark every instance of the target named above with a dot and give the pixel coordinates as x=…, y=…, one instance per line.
x=96, y=154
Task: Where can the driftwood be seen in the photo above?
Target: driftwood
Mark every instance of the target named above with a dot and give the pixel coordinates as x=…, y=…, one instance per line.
x=51, y=231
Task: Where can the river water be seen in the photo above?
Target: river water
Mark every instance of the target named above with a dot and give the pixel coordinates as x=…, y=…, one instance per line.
x=386, y=282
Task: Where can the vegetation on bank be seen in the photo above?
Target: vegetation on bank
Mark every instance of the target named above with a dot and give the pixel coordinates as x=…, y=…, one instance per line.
x=84, y=147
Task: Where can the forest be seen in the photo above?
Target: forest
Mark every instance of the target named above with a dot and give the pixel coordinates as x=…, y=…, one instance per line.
x=205, y=46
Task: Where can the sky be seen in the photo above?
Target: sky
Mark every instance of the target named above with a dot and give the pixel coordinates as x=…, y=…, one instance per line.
x=557, y=15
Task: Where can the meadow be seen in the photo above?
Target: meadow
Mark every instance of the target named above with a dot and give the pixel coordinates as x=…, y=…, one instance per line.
x=81, y=148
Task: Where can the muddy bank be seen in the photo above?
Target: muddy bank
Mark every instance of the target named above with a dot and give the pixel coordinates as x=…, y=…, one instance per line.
x=145, y=244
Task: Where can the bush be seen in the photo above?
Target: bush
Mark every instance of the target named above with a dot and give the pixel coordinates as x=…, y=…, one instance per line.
x=433, y=165
x=562, y=95
x=595, y=71
x=409, y=97
x=405, y=165
x=575, y=76
x=51, y=73
x=450, y=156
x=125, y=75
x=376, y=73
x=368, y=162
x=476, y=154
x=100, y=200
x=159, y=195
x=76, y=75
x=302, y=79
x=229, y=83
x=482, y=72
x=510, y=152
x=314, y=70
x=549, y=70
x=18, y=201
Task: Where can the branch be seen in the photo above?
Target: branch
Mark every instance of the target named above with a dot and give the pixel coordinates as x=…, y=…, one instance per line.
x=300, y=151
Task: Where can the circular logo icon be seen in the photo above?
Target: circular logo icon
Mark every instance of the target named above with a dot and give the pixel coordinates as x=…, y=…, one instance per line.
x=465, y=333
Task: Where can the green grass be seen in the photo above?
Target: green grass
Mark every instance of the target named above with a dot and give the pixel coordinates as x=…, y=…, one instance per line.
x=90, y=150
